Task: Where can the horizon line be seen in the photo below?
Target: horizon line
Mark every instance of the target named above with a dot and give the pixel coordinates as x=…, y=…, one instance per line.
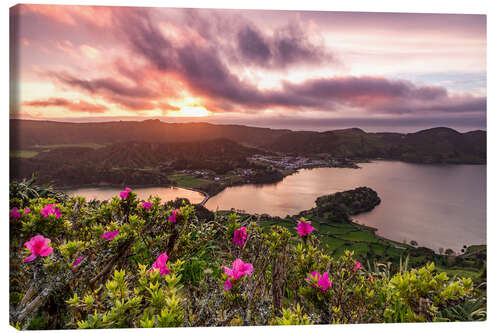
x=244, y=125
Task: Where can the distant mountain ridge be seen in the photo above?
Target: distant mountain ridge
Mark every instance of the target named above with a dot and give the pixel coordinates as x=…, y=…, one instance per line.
x=435, y=145
x=26, y=133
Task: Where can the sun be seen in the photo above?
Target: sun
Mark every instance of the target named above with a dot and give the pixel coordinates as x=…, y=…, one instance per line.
x=193, y=111
x=188, y=107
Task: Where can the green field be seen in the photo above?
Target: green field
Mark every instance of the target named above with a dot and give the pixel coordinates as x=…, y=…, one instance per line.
x=82, y=145
x=184, y=180
x=23, y=153
x=458, y=272
x=339, y=237
x=348, y=236
x=32, y=153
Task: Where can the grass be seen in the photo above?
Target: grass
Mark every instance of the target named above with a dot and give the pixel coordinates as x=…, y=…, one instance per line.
x=33, y=153
x=475, y=248
x=458, y=272
x=393, y=252
x=235, y=178
x=361, y=249
x=23, y=153
x=260, y=163
x=340, y=236
x=287, y=172
x=335, y=243
x=361, y=236
x=82, y=145
x=339, y=229
x=147, y=168
x=184, y=180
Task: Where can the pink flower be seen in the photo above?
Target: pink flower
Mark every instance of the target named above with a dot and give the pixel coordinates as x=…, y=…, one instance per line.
x=110, y=235
x=173, y=218
x=240, y=269
x=47, y=210
x=27, y=211
x=147, y=205
x=320, y=281
x=240, y=236
x=124, y=194
x=38, y=246
x=76, y=262
x=304, y=228
x=357, y=266
x=51, y=210
x=161, y=264
x=228, y=285
x=14, y=213
x=371, y=278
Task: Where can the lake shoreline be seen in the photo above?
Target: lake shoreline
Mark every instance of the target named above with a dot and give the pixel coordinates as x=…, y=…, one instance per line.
x=204, y=201
x=421, y=201
x=354, y=165
x=388, y=221
x=286, y=173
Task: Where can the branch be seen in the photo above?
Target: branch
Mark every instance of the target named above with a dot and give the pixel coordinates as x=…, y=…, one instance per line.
x=27, y=297
x=35, y=304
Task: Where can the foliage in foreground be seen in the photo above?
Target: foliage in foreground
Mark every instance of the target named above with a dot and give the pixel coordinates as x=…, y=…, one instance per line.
x=132, y=263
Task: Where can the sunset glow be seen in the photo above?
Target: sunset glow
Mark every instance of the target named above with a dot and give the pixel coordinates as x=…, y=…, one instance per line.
x=191, y=111
x=264, y=68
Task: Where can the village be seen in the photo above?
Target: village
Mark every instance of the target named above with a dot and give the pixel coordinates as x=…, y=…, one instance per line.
x=283, y=163
x=291, y=162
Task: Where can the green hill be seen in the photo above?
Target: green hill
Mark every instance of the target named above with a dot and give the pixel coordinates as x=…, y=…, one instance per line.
x=436, y=145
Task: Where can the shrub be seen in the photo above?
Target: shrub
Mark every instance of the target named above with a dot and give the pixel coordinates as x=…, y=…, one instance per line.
x=126, y=280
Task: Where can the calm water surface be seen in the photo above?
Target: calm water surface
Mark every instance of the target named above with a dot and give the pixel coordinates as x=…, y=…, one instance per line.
x=165, y=193
x=436, y=205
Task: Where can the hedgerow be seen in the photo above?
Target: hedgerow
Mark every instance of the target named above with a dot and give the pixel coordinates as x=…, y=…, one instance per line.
x=134, y=263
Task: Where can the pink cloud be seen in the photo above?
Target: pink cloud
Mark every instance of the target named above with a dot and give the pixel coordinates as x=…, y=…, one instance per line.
x=74, y=106
x=142, y=58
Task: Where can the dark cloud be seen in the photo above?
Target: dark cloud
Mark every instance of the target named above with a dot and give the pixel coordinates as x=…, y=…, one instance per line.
x=108, y=85
x=430, y=93
x=201, y=67
x=206, y=72
x=457, y=104
x=293, y=45
x=144, y=37
x=253, y=46
x=208, y=69
x=288, y=46
x=130, y=97
x=206, y=75
x=75, y=106
x=233, y=38
x=383, y=95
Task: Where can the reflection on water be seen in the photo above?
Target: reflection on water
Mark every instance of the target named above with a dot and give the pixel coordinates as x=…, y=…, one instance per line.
x=165, y=193
x=436, y=205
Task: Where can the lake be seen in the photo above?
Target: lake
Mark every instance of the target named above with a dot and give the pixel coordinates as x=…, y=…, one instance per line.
x=435, y=205
x=166, y=193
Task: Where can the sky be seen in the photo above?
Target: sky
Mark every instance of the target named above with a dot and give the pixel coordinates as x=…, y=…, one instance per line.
x=303, y=70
